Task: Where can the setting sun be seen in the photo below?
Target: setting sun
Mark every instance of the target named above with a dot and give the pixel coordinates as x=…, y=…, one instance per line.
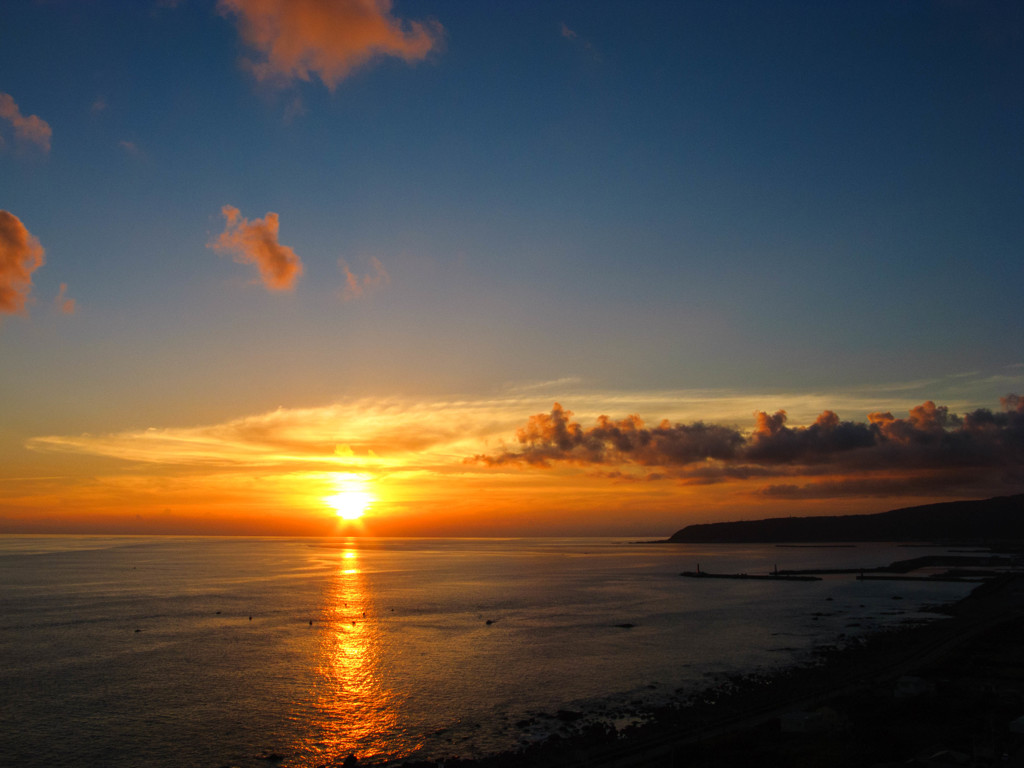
x=352, y=500
x=350, y=505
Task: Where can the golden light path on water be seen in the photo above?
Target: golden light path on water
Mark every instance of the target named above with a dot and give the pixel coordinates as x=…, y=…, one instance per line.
x=356, y=711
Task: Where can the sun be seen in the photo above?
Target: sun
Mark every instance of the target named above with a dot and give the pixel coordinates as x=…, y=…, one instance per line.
x=350, y=505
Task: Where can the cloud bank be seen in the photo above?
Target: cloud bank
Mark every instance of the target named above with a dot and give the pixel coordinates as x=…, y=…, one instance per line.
x=31, y=128
x=20, y=255
x=885, y=455
x=326, y=38
x=255, y=242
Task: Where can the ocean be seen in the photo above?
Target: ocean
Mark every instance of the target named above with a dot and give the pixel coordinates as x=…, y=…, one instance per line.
x=202, y=651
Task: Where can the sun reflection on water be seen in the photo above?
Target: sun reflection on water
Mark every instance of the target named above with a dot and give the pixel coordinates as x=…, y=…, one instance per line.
x=354, y=710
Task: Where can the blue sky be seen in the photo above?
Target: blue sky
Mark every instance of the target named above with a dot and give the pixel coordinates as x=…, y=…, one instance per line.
x=784, y=198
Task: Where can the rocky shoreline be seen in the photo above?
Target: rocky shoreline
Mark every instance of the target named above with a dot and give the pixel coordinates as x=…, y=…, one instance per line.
x=915, y=695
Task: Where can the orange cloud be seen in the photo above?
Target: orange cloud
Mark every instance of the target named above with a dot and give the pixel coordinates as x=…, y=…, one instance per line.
x=356, y=286
x=769, y=425
x=31, y=128
x=20, y=255
x=64, y=304
x=255, y=242
x=326, y=38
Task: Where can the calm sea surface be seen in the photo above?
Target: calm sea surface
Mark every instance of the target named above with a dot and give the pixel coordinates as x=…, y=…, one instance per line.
x=161, y=651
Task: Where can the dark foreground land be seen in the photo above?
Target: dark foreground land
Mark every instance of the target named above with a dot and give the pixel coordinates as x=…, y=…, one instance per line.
x=939, y=694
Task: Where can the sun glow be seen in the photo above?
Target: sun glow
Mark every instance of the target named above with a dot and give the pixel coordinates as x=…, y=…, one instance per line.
x=353, y=499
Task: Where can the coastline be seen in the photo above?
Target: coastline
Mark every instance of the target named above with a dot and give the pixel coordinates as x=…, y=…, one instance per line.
x=842, y=709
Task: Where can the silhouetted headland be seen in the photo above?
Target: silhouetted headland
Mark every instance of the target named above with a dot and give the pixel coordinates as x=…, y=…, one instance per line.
x=999, y=519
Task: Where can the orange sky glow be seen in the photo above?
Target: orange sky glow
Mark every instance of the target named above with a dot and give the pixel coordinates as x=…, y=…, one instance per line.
x=493, y=467
x=337, y=267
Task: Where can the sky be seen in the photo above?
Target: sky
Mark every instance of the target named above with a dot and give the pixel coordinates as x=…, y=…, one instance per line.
x=317, y=267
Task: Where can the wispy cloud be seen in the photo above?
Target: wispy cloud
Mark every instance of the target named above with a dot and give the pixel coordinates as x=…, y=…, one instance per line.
x=581, y=44
x=562, y=383
x=64, y=304
x=326, y=38
x=381, y=435
x=32, y=128
x=356, y=286
x=20, y=255
x=255, y=242
x=295, y=108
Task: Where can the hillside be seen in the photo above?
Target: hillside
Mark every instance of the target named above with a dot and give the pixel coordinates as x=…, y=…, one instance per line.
x=998, y=519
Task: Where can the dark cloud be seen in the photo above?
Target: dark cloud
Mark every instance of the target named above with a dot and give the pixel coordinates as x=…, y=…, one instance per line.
x=773, y=442
x=555, y=437
x=945, y=482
